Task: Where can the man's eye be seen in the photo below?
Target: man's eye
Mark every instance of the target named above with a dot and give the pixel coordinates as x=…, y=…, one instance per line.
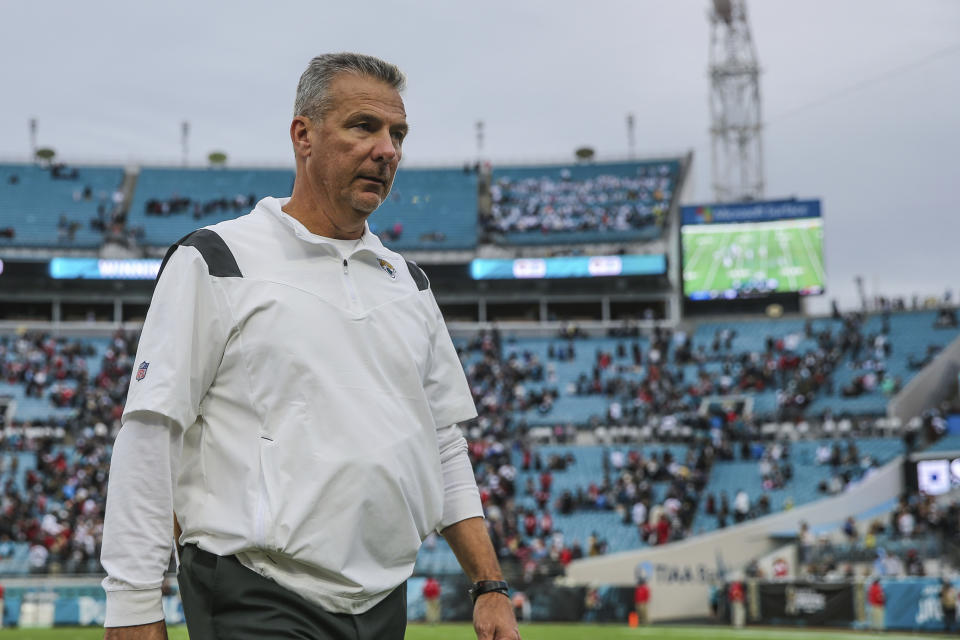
x=365, y=126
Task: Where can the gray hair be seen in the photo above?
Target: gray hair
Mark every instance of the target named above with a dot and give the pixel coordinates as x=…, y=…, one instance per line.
x=313, y=97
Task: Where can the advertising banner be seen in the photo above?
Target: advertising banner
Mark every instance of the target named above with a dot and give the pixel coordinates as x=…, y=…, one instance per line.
x=568, y=267
x=750, y=212
x=95, y=269
x=806, y=603
x=543, y=601
x=914, y=604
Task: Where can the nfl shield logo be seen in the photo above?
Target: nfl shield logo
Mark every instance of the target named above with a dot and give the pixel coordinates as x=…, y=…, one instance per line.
x=142, y=370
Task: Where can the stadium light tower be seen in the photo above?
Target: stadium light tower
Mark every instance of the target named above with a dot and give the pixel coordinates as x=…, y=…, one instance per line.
x=479, y=128
x=185, y=142
x=33, y=138
x=736, y=126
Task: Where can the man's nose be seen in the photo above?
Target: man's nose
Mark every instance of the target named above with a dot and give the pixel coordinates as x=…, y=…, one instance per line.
x=385, y=149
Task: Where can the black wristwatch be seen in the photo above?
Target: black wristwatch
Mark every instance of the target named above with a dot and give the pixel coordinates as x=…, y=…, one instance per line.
x=488, y=586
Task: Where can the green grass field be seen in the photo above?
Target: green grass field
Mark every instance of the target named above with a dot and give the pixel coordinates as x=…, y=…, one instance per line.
x=786, y=255
x=530, y=632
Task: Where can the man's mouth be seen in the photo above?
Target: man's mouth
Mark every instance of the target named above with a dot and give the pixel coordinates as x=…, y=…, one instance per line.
x=380, y=181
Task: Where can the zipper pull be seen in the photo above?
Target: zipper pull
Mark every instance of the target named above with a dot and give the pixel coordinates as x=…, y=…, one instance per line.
x=344, y=266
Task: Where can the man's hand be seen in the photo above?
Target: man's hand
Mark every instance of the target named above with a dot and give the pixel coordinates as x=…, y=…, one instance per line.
x=153, y=631
x=493, y=618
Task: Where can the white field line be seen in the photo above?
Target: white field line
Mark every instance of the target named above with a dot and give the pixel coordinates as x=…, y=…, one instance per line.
x=817, y=264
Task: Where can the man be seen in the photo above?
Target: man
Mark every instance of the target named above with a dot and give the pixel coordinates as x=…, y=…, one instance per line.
x=641, y=601
x=431, y=595
x=877, y=600
x=294, y=407
x=737, y=598
x=948, y=602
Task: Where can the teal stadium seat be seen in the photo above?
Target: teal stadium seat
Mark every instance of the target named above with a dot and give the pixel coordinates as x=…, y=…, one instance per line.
x=731, y=476
x=436, y=207
x=33, y=204
x=201, y=186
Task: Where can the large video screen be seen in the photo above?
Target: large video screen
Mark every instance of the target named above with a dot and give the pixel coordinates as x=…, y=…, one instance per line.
x=743, y=250
x=937, y=476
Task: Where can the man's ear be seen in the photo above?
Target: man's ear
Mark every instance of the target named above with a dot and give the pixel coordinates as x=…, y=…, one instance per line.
x=300, y=135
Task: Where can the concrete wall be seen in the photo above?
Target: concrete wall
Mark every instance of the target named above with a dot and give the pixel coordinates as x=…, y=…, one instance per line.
x=680, y=573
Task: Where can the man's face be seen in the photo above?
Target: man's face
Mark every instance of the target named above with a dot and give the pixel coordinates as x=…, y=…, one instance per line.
x=356, y=146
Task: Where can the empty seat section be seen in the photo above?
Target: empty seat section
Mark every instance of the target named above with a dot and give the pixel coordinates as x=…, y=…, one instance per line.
x=40, y=210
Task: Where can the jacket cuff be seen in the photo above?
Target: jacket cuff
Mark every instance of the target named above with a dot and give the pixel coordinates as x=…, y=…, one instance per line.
x=133, y=607
x=459, y=506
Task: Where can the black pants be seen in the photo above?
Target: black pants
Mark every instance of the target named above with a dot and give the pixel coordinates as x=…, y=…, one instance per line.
x=224, y=600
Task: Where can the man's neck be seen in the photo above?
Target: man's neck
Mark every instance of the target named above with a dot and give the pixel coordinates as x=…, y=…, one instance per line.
x=317, y=221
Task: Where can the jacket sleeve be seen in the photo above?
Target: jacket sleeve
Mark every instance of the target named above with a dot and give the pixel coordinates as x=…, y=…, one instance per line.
x=461, y=497
x=181, y=346
x=444, y=380
x=138, y=523
x=182, y=342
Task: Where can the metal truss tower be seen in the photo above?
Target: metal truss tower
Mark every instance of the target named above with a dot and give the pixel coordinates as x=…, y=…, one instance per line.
x=736, y=126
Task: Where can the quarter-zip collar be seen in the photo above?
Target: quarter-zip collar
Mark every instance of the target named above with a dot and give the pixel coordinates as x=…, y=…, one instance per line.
x=368, y=241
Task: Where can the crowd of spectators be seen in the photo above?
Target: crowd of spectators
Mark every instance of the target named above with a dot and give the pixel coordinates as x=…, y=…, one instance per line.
x=60, y=171
x=775, y=470
x=58, y=509
x=177, y=205
x=502, y=384
x=901, y=544
x=38, y=362
x=504, y=381
x=657, y=492
x=525, y=538
x=604, y=202
x=642, y=378
x=631, y=493
x=642, y=381
x=846, y=464
x=946, y=318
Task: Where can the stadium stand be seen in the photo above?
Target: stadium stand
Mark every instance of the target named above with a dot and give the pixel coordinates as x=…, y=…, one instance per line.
x=785, y=475
x=547, y=504
x=429, y=209
x=910, y=539
x=580, y=203
x=58, y=206
x=169, y=203
x=947, y=443
x=426, y=209
x=788, y=368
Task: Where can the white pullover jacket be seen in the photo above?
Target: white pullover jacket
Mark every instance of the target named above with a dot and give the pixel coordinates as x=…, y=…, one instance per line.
x=294, y=406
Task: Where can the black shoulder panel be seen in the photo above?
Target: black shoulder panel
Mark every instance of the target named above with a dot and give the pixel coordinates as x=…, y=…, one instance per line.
x=215, y=252
x=418, y=275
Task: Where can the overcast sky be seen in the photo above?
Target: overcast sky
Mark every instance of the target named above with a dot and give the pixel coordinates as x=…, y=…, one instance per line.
x=860, y=97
